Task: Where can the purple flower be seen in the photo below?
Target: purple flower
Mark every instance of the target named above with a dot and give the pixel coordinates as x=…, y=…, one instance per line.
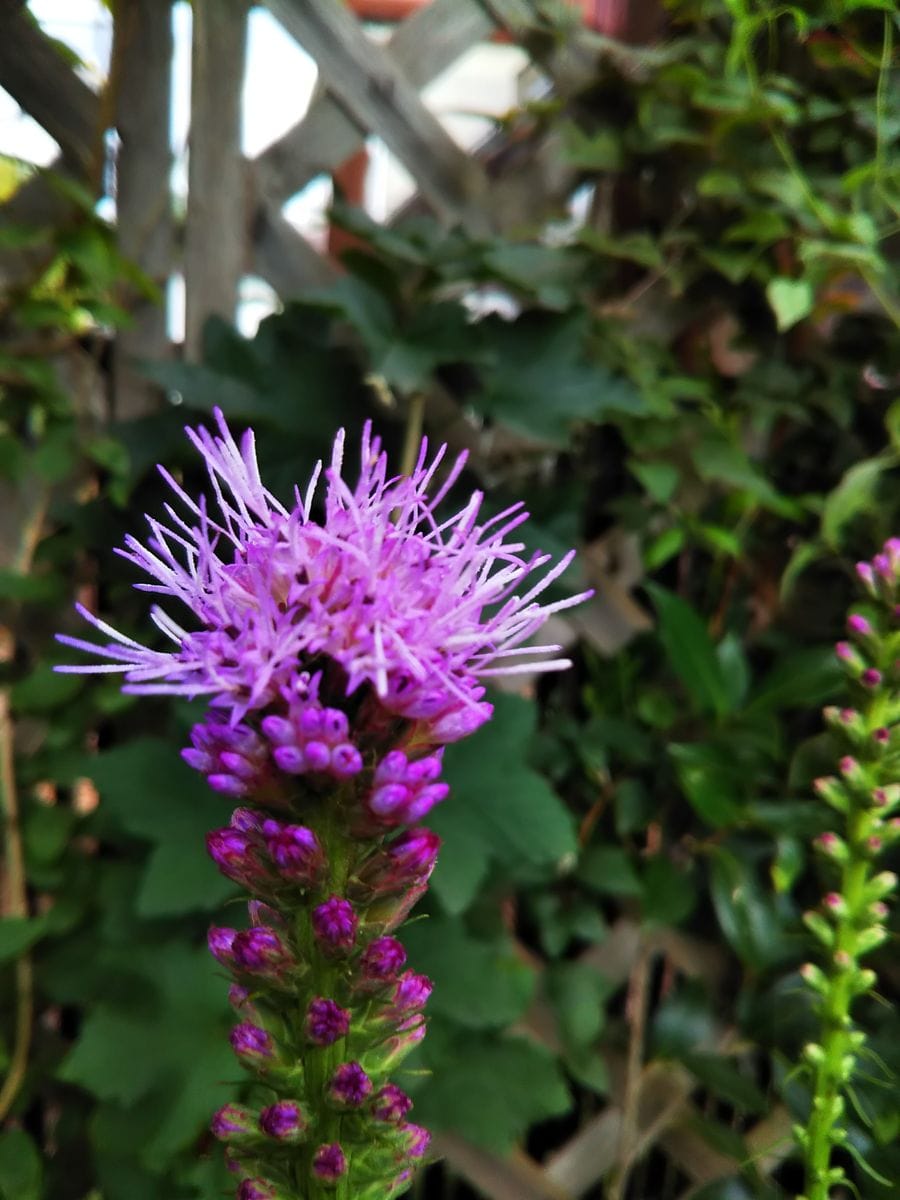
x=261, y=951
x=250, y=1043
x=239, y=998
x=405, y=791
x=391, y=1104
x=257, y=1189
x=329, y=1163
x=406, y=863
x=295, y=850
x=335, y=924
x=411, y=993
x=382, y=960
x=350, y=1085
x=418, y=1140
x=233, y=757
x=418, y=607
x=235, y=854
x=232, y=1122
x=221, y=944
x=326, y=1022
x=283, y=1120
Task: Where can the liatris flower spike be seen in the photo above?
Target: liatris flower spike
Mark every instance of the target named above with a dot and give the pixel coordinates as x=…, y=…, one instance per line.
x=865, y=798
x=339, y=657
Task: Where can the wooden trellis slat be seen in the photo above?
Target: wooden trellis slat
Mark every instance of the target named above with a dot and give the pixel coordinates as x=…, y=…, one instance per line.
x=378, y=96
x=140, y=82
x=216, y=229
x=423, y=46
x=37, y=77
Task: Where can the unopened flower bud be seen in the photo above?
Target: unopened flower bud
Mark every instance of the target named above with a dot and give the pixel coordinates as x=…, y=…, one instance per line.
x=870, y=939
x=335, y=924
x=257, y=1189
x=350, y=1086
x=410, y=993
x=815, y=977
x=881, y=736
x=283, y=1120
x=886, y=798
x=391, y=1105
x=235, y=854
x=835, y=903
x=326, y=1022
x=251, y=1044
x=821, y=928
x=260, y=951
x=417, y=1141
x=382, y=960
x=859, y=625
x=228, y=785
x=396, y=1048
x=870, y=678
x=221, y=944
x=296, y=852
x=866, y=576
x=233, y=1124
x=329, y=1163
x=239, y=998
x=832, y=846
x=832, y=791
x=881, y=885
x=813, y=1053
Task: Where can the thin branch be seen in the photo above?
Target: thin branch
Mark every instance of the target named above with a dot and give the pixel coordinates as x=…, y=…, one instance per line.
x=636, y=1011
x=16, y=906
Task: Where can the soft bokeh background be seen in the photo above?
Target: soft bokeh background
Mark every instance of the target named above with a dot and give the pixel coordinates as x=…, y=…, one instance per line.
x=643, y=267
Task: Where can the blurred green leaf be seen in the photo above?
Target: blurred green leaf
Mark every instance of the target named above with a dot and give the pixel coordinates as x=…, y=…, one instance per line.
x=690, y=650
x=525, y=824
x=20, y=1167
x=478, y=984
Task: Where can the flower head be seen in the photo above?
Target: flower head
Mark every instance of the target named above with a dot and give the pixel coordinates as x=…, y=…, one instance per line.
x=417, y=607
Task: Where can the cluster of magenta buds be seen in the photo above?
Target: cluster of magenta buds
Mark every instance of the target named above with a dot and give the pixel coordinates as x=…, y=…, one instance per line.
x=327, y=845
x=864, y=795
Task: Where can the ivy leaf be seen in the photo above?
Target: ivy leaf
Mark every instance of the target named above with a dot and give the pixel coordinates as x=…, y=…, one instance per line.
x=478, y=984
x=149, y=792
x=502, y=808
x=173, y=1038
x=542, y=381
x=489, y=1089
x=790, y=300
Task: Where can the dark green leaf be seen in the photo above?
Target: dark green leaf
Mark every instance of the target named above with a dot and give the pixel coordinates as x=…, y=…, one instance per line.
x=690, y=650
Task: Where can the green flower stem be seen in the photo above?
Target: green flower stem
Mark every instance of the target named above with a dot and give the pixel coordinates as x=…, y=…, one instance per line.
x=322, y=1061
x=850, y=923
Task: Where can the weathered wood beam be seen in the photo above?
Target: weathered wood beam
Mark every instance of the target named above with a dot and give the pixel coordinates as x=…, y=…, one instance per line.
x=45, y=86
x=284, y=258
x=423, y=46
x=379, y=97
x=216, y=226
x=141, y=78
